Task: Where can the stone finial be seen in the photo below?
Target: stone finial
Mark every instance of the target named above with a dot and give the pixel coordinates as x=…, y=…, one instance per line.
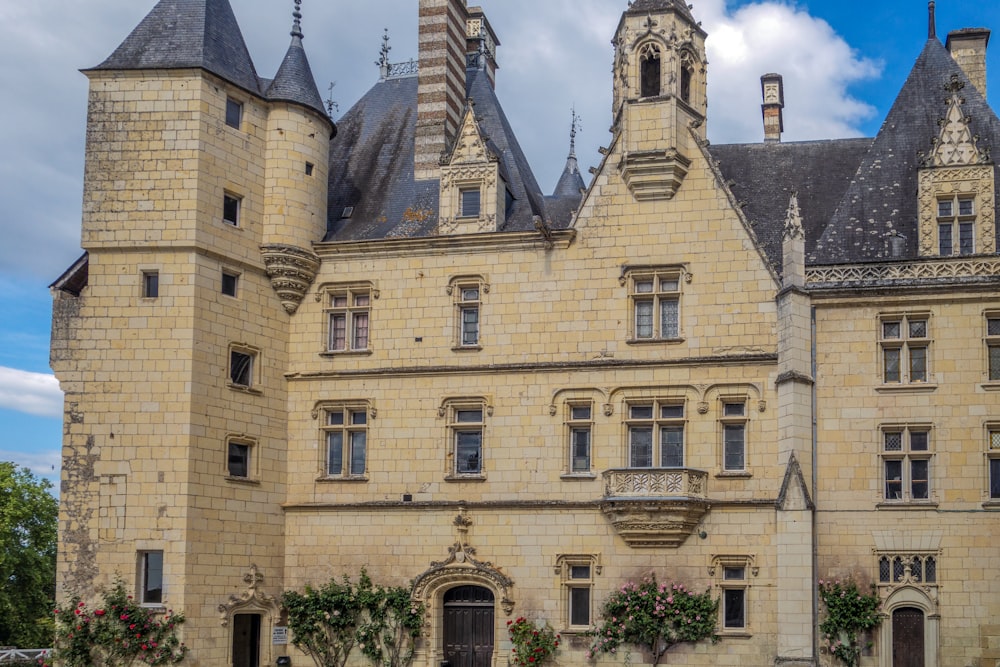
x=297, y=20
x=793, y=247
x=574, y=128
x=931, y=21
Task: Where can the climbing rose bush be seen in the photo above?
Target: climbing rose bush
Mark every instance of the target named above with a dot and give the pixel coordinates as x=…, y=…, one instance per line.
x=119, y=632
x=532, y=645
x=655, y=617
x=849, y=612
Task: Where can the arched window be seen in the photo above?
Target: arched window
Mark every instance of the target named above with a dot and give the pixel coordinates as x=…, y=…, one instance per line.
x=649, y=71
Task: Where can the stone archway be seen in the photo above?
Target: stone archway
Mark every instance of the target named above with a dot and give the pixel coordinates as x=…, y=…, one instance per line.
x=910, y=626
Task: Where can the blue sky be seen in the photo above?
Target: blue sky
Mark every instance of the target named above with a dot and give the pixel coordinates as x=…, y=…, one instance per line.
x=843, y=62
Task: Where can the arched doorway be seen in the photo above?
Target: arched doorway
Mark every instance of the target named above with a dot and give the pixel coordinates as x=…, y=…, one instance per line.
x=468, y=626
x=908, y=637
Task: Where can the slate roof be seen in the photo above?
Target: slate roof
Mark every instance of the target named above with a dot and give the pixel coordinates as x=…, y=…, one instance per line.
x=294, y=81
x=371, y=166
x=763, y=177
x=180, y=34
x=882, y=197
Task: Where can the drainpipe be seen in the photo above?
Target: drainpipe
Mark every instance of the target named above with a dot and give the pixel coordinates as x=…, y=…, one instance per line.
x=815, y=466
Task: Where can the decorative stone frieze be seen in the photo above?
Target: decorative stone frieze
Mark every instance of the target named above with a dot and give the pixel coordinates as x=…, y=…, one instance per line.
x=655, y=507
x=292, y=271
x=879, y=275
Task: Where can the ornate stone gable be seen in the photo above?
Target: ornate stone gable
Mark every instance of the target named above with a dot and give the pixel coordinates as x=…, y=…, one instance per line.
x=473, y=193
x=956, y=146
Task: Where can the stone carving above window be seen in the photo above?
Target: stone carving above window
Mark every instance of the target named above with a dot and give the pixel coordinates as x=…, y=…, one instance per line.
x=473, y=194
x=955, y=146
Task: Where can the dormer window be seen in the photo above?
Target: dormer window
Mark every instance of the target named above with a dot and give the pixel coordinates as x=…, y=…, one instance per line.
x=649, y=71
x=956, y=220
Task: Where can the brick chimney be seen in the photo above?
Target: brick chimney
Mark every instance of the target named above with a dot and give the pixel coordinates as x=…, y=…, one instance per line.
x=481, y=45
x=441, y=91
x=968, y=47
x=772, y=89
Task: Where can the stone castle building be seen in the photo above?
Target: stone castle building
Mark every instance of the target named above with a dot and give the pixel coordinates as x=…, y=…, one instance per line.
x=293, y=349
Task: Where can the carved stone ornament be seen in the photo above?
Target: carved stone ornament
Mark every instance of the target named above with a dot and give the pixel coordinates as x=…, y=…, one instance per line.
x=292, y=271
x=955, y=146
x=253, y=598
x=654, y=175
x=461, y=566
x=655, y=508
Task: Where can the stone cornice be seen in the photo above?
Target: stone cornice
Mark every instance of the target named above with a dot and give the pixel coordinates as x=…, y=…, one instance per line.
x=434, y=245
x=918, y=273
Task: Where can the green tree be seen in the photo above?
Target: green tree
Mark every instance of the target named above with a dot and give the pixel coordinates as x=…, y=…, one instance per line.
x=28, y=518
x=324, y=621
x=849, y=613
x=654, y=617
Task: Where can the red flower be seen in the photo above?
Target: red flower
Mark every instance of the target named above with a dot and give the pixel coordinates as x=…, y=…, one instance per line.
x=99, y=612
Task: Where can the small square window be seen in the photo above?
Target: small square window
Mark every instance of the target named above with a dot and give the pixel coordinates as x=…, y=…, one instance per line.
x=241, y=368
x=230, y=282
x=234, y=113
x=150, y=284
x=309, y=168
x=470, y=199
x=231, y=209
x=150, y=577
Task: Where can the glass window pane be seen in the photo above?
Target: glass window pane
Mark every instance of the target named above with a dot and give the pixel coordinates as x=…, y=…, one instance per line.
x=734, y=612
x=945, y=208
x=580, y=412
x=918, y=364
x=359, y=444
x=930, y=569
x=644, y=319
x=669, y=318
x=891, y=361
x=338, y=332
x=470, y=202
x=467, y=451
x=231, y=209
x=579, y=606
x=362, y=299
x=897, y=569
x=239, y=460
x=919, y=441
x=993, y=326
x=734, y=573
x=229, y=282
x=734, y=409
x=335, y=418
x=994, y=352
x=641, y=412
x=641, y=448
x=883, y=569
x=580, y=455
x=965, y=207
x=240, y=368
x=644, y=287
x=470, y=294
x=335, y=453
x=944, y=239
x=339, y=301
x=360, y=339
x=470, y=326
x=918, y=328
x=469, y=416
x=919, y=480
x=671, y=411
x=893, y=441
x=891, y=330
x=234, y=113
x=152, y=577
x=669, y=284
x=579, y=572
x=359, y=417
x=893, y=480
x=734, y=447
x=672, y=447
x=966, y=239
x=994, y=478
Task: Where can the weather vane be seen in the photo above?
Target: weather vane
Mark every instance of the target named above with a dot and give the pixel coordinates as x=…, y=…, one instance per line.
x=297, y=23
x=331, y=105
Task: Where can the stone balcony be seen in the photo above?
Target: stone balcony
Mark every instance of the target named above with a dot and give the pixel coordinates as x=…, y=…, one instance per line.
x=655, y=507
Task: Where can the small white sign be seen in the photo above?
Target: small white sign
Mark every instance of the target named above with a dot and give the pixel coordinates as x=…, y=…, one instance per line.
x=279, y=637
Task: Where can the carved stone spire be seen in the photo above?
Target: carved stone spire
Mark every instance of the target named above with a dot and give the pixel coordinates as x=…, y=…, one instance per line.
x=931, y=21
x=297, y=20
x=793, y=246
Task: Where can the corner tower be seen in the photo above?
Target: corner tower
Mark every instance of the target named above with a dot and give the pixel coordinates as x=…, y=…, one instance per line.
x=659, y=95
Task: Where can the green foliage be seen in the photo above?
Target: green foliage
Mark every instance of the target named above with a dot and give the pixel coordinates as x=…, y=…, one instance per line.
x=655, y=617
x=324, y=622
x=28, y=517
x=328, y=622
x=532, y=645
x=393, y=623
x=849, y=612
x=117, y=633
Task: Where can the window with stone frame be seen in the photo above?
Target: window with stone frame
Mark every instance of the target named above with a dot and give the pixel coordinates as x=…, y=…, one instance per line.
x=907, y=567
x=349, y=318
x=580, y=432
x=234, y=113
x=906, y=455
x=656, y=433
x=241, y=458
x=242, y=367
x=232, y=208
x=466, y=435
x=150, y=284
x=345, y=439
x=576, y=574
x=469, y=201
x=467, y=293
x=956, y=224
x=650, y=84
x=733, y=575
x=905, y=345
x=993, y=346
x=733, y=426
x=149, y=578
x=656, y=305
x=993, y=463
x=229, y=284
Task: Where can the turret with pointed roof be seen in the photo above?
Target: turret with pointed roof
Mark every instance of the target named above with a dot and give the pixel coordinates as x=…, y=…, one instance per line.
x=294, y=81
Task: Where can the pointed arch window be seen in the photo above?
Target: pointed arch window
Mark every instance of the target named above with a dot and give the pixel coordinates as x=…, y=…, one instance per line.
x=649, y=71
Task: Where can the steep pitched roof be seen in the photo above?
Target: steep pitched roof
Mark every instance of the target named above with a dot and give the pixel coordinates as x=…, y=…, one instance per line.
x=882, y=197
x=188, y=33
x=762, y=178
x=294, y=81
x=371, y=166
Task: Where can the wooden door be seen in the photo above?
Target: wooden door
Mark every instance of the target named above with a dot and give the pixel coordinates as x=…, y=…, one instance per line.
x=907, y=637
x=468, y=626
x=246, y=640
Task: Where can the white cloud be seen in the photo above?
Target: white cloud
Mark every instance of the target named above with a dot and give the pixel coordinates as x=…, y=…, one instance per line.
x=32, y=393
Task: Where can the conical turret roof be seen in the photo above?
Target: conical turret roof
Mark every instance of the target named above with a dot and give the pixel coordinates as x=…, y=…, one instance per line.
x=294, y=81
x=180, y=34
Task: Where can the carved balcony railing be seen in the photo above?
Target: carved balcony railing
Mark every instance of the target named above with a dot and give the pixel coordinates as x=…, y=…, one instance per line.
x=655, y=507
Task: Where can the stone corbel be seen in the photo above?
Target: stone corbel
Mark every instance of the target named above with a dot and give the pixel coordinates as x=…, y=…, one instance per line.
x=292, y=271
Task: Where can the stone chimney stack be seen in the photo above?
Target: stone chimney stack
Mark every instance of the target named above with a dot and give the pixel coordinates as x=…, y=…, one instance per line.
x=441, y=91
x=968, y=48
x=481, y=45
x=773, y=90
